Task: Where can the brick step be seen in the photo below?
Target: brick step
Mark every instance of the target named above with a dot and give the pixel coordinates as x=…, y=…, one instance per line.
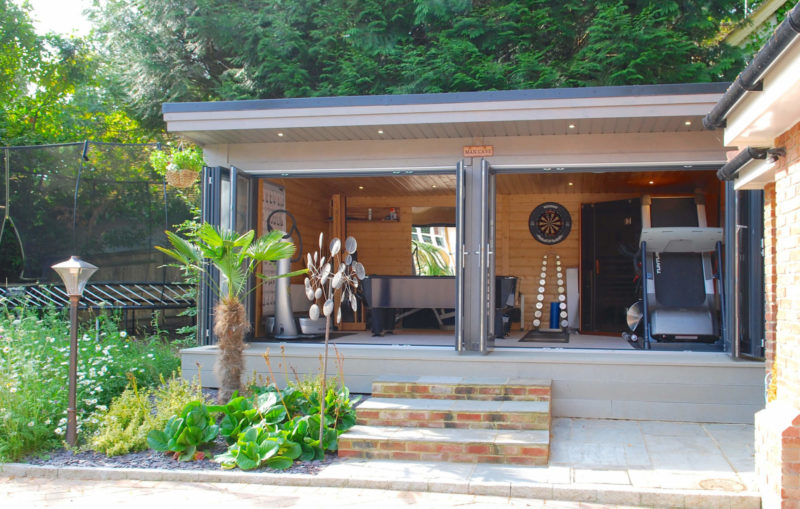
x=453, y=413
x=455, y=445
x=445, y=387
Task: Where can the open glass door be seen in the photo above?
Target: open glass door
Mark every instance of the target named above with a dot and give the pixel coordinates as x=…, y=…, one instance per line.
x=488, y=237
x=228, y=202
x=749, y=296
x=460, y=254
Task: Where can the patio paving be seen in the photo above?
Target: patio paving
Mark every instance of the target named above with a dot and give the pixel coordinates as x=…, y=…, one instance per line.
x=617, y=462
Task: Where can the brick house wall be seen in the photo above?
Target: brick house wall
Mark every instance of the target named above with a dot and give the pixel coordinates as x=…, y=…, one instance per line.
x=777, y=440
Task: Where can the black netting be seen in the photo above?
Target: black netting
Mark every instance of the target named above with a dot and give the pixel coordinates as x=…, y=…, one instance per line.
x=100, y=201
x=41, y=198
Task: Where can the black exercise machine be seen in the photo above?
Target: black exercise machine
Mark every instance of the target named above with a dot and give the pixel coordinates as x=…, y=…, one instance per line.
x=682, y=300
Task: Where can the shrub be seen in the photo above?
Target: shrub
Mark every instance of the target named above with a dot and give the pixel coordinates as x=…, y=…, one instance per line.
x=124, y=427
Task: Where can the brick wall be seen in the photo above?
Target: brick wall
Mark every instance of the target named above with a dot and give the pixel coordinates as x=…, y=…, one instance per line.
x=777, y=440
x=787, y=263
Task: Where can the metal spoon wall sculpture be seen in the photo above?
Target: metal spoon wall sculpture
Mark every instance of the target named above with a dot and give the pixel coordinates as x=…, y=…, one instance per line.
x=331, y=277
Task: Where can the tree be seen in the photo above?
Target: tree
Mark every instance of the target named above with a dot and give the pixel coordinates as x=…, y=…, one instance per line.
x=54, y=89
x=202, y=50
x=237, y=258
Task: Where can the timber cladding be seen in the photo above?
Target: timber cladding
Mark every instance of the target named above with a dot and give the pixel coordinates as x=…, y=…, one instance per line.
x=520, y=255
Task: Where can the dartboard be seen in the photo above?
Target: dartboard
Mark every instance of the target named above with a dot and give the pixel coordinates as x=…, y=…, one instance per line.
x=550, y=223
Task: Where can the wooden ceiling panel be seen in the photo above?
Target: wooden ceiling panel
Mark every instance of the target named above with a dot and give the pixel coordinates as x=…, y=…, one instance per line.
x=518, y=184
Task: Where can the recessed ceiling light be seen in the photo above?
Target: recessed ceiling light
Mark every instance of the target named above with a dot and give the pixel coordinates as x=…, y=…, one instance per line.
x=571, y=184
x=688, y=122
x=380, y=131
x=434, y=186
x=361, y=187
x=280, y=135
x=572, y=126
x=651, y=182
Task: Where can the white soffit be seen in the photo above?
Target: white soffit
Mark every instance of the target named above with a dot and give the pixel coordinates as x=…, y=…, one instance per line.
x=643, y=113
x=762, y=116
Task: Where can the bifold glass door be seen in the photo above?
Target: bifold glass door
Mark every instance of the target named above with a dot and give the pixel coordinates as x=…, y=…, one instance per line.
x=229, y=202
x=477, y=199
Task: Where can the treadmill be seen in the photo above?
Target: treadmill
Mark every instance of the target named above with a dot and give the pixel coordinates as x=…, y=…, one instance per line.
x=681, y=306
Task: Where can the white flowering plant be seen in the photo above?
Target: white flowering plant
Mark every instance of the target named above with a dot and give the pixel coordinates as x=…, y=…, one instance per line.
x=34, y=353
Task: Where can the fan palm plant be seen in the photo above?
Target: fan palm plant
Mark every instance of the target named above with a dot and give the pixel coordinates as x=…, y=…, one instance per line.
x=236, y=257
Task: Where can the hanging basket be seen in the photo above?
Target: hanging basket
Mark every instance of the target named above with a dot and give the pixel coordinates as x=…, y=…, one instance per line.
x=181, y=178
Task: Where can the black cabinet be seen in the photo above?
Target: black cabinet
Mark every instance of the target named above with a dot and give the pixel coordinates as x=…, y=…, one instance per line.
x=609, y=240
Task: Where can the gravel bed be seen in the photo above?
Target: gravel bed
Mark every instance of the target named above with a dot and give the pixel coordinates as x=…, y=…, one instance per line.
x=160, y=460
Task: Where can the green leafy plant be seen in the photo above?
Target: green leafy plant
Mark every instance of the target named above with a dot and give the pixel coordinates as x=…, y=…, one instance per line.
x=238, y=414
x=124, y=427
x=186, y=433
x=260, y=445
x=236, y=257
x=177, y=158
x=430, y=260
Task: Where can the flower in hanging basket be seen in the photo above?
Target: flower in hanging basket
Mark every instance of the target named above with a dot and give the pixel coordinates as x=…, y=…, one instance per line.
x=180, y=167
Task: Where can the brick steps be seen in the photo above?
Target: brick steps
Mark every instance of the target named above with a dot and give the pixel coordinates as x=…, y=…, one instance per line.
x=459, y=419
x=484, y=388
x=523, y=447
x=450, y=413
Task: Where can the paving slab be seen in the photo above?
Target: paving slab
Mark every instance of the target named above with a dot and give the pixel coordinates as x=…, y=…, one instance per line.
x=611, y=463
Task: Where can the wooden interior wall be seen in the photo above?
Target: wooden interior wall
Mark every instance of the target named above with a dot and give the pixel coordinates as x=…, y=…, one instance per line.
x=384, y=247
x=520, y=255
x=310, y=206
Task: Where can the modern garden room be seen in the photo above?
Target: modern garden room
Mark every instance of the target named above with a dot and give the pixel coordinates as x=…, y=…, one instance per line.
x=502, y=162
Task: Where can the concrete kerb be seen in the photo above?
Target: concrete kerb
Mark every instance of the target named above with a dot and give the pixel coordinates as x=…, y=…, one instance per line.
x=656, y=497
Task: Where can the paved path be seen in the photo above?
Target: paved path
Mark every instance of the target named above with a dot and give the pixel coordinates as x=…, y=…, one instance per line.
x=630, y=463
x=59, y=493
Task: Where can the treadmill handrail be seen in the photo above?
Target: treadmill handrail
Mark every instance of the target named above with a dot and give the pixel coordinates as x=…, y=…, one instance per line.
x=681, y=239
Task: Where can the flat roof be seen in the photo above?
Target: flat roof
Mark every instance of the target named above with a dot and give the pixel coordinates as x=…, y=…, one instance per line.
x=448, y=98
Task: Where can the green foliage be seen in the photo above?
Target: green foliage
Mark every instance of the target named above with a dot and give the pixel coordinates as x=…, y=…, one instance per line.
x=429, y=259
x=55, y=89
x=235, y=256
x=274, y=426
x=257, y=446
x=124, y=427
x=184, y=434
x=214, y=49
x=179, y=158
x=34, y=352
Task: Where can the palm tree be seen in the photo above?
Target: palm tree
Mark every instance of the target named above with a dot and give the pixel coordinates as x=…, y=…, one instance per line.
x=237, y=258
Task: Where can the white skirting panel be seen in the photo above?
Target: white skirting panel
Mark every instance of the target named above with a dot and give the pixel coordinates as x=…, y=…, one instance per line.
x=605, y=384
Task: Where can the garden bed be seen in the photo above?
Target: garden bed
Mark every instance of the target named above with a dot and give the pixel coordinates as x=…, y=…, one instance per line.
x=149, y=459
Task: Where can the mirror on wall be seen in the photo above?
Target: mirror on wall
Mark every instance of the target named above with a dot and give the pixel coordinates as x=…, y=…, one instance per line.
x=433, y=241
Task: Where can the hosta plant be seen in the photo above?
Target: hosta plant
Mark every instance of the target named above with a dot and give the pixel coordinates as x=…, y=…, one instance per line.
x=186, y=433
x=261, y=445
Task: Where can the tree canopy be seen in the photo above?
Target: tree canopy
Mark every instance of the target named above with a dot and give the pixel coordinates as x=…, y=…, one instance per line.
x=54, y=89
x=201, y=50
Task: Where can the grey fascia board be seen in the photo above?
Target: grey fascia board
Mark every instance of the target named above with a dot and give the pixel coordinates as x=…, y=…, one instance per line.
x=448, y=98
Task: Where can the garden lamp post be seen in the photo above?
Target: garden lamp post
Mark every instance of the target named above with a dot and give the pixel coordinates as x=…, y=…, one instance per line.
x=75, y=273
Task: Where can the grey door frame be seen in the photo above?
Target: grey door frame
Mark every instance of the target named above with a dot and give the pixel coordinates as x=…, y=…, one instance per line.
x=478, y=249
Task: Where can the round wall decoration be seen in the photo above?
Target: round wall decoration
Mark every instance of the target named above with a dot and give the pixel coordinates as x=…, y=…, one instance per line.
x=550, y=223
